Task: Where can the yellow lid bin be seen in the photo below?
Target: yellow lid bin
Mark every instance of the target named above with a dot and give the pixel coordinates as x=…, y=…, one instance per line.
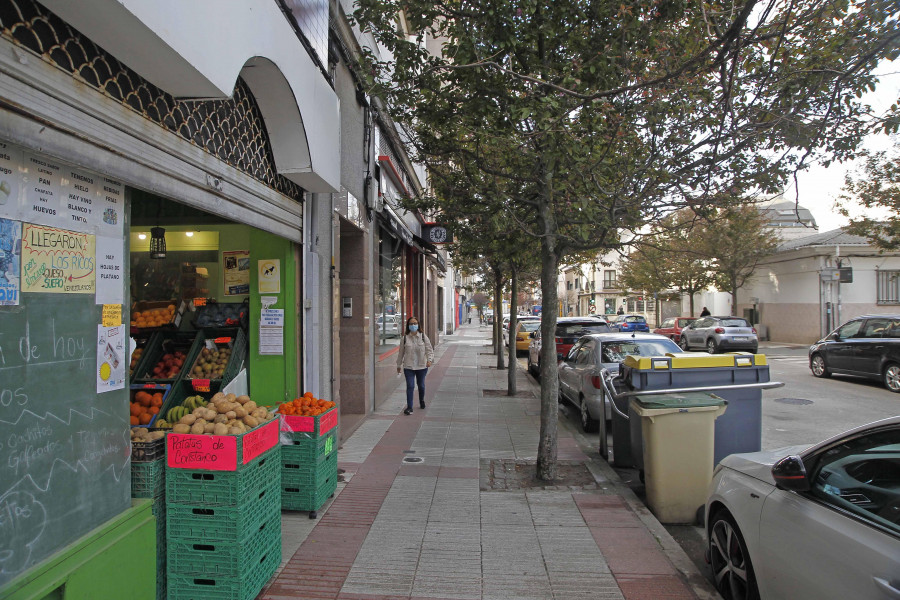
x=678, y=440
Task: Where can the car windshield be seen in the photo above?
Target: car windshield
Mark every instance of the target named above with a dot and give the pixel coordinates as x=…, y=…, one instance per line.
x=735, y=323
x=615, y=352
x=580, y=328
x=530, y=325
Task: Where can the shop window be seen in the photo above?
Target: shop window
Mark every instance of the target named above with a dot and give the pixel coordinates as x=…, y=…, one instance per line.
x=390, y=318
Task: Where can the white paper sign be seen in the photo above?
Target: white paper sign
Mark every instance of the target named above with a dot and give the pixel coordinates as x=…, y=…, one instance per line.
x=271, y=331
x=42, y=191
x=79, y=195
x=111, y=207
x=112, y=348
x=10, y=180
x=110, y=259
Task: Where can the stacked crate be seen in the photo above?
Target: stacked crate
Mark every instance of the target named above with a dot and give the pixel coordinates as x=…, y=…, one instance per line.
x=224, y=526
x=148, y=480
x=308, y=461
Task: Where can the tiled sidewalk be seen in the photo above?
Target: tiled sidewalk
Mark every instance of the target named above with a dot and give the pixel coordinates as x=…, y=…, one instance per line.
x=428, y=529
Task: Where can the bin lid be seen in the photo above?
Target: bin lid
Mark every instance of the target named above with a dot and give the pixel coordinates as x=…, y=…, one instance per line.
x=690, y=360
x=677, y=401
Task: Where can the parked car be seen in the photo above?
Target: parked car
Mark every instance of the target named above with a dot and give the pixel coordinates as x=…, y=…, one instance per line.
x=868, y=346
x=568, y=330
x=720, y=334
x=630, y=323
x=821, y=523
x=671, y=327
x=388, y=325
x=488, y=316
x=579, y=373
x=524, y=328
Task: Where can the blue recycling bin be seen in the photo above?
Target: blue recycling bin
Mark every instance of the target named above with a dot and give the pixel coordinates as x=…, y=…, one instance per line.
x=739, y=429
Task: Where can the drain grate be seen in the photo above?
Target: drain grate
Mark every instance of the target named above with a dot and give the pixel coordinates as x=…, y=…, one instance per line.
x=413, y=459
x=795, y=401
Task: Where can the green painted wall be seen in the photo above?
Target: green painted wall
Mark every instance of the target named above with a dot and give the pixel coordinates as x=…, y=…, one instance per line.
x=273, y=378
x=116, y=561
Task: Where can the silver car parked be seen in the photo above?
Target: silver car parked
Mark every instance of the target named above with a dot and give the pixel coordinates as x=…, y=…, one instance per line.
x=720, y=334
x=579, y=373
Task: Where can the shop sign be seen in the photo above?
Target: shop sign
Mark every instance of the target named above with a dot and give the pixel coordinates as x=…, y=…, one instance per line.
x=436, y=234
x=269, y=276
x=237, y=272
x=57, y=260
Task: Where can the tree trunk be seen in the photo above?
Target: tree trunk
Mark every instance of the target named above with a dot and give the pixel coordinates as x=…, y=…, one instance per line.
x=547, y=442
x=513, y=308
x=498, y=317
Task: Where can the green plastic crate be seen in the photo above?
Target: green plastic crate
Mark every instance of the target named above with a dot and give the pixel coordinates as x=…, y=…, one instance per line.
x=310, y=450
x=238, y=345
x=224, y=488
x=228, y=523
x=221, y=558
x=308, y=475
x=311, y=499
x=148, y=479
x=161, y=342
x=212, y=587
x=300, y=428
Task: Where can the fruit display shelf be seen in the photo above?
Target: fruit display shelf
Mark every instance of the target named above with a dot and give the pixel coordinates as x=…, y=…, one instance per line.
x=220, y=358
x=168, y=355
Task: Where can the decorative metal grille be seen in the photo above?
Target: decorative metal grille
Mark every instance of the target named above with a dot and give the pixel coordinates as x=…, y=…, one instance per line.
x=232, y=130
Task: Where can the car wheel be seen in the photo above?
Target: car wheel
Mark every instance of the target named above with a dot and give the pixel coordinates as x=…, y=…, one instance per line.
x=684, y=344
x=892, y=377
x=817, y=366
x=732, y=570
x=588, y=424
x=711, y=346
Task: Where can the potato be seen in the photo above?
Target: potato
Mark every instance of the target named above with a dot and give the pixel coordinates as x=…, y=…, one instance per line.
x=240, y=413
x=231, y=415
x=259, y=413
x=209, y=428
x=188, y=419
x=249, y=406
x=198, y=427
x=235, y=431
x=181, y=428
x=231, y=397
x=220, y=429
x=210, y=414
x=155, y=435
x=244, y=399
x=140, y=431
x=218, y=396
x=250, y=421
x=220, y=419
x=199, y=411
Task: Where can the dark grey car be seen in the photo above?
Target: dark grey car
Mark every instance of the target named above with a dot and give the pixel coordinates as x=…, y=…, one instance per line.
x=868, y=346
x=720, y=334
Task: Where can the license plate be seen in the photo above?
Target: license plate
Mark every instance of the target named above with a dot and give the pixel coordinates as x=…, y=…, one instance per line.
x=739, y=339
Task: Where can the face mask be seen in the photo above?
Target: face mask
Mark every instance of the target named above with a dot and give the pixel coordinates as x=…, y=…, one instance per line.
x=413, y=328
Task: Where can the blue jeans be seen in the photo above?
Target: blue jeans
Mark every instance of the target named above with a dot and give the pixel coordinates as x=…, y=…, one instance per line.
x=413, y=376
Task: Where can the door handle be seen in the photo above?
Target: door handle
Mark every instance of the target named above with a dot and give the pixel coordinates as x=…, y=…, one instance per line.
x=886, y=586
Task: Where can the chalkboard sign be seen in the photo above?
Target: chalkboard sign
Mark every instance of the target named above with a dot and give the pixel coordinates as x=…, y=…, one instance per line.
x=65, y=465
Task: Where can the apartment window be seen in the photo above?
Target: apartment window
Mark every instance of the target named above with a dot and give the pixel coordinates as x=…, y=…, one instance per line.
x=609, y=279
x=888, y=291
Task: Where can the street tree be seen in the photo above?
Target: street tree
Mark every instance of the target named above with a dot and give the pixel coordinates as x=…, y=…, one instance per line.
x=736, y=239
x=876, y=186
x=596, y=118
x=646, y=269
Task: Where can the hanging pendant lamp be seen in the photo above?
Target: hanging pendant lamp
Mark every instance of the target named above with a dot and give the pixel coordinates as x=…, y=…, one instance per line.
x=157, y=242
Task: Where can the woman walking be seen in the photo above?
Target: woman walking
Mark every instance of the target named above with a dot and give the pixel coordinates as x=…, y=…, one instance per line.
x=415, y=356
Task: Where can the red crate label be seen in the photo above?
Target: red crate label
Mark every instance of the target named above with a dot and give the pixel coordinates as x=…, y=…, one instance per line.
x=327, y=422
x=259, y=440
x=207, y=452
x=222, y=340
x=200, y=385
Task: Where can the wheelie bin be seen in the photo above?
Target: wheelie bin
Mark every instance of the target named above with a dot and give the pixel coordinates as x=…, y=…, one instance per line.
x=740, y=429
x=678, y=432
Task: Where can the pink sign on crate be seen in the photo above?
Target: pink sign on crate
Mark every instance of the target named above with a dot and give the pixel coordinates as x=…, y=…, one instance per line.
x=259, y=440
x=327, y=422
x=207, y=452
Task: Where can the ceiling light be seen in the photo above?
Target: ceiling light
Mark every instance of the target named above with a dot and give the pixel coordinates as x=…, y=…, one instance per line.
x=142, y=236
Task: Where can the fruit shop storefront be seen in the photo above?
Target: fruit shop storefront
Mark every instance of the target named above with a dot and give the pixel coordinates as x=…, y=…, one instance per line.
x=149, y=264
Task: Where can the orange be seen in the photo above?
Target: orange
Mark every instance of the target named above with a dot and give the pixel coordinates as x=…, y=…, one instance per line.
x=145, y=418
x=134, y=420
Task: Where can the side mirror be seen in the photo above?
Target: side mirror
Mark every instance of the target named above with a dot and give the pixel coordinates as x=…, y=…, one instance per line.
x=559, y=356
x=790, y=474
x=532, y=335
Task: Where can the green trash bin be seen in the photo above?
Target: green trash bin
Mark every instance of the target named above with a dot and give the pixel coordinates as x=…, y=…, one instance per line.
x=678, y=437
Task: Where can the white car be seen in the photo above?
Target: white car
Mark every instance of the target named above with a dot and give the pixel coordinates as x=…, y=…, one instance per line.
x=388, y=326
x=820, y=523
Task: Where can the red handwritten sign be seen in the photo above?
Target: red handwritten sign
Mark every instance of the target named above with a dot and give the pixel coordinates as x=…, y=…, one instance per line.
x=200, y=385
x=327, y=422
x=206, y=452
x=259, y=440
